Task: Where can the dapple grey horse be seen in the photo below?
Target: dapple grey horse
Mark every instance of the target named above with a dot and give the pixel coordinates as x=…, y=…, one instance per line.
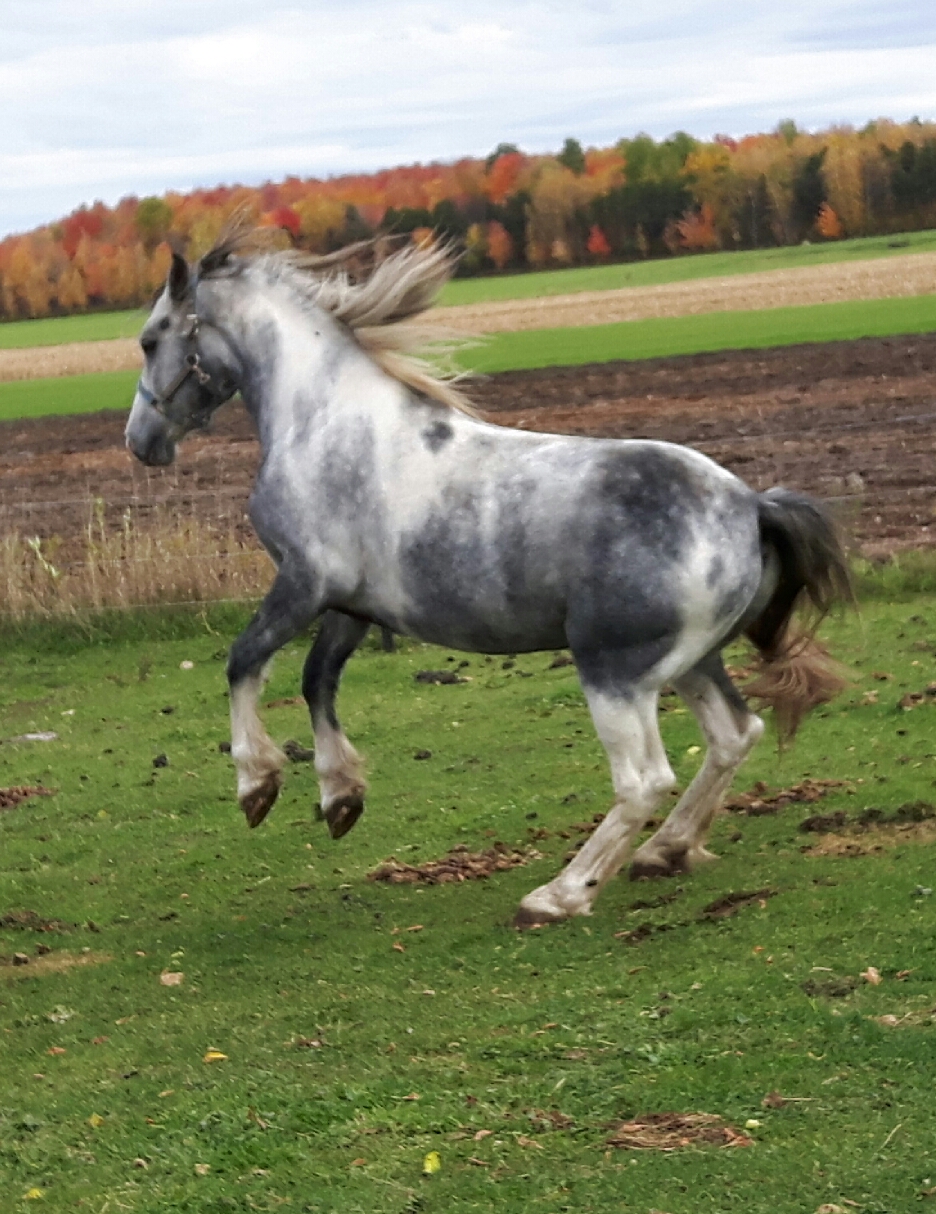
x=383, y=500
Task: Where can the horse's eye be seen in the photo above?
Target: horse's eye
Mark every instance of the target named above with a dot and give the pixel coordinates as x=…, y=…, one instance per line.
x=148, y=345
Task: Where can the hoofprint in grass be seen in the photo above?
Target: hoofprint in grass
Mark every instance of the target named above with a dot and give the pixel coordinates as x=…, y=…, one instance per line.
x=643, y=558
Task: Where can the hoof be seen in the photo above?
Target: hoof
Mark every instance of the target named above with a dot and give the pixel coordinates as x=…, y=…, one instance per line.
x=526, y=919
x=258, y=803
x=652, y=868
x=342, y=814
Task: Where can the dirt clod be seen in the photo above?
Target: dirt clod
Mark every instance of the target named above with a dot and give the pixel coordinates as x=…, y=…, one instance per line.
x=674, y=1131
x=297, y=753
x=759, y=800
x=30, y=921
x=438, y=676
x=730, y=904
x=11, y=797
x=459, y=864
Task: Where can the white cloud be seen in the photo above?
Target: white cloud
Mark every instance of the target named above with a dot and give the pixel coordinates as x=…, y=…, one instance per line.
x=137, y=96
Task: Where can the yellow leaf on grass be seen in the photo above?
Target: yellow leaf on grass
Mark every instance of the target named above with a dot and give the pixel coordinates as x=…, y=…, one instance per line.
x=95, y=1121
x=34, y=1194
x=214, y=1056
x=432, y=1163
x=871, y=975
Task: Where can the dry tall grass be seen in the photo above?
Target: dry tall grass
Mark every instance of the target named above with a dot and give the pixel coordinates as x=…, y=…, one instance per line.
x=169, y=558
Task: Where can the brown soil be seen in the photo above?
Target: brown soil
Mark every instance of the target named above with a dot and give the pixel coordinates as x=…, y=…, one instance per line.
x=459, y=864
x=673, y=1131
x=760, y=800
x=877, y=839
x=848, y=421
x=11, y=797
x=54, y=963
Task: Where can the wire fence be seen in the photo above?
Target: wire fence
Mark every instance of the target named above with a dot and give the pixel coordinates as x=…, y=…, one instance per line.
x=199, y=549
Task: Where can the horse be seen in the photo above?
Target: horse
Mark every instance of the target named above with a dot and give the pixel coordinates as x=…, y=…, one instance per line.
x=383, y=499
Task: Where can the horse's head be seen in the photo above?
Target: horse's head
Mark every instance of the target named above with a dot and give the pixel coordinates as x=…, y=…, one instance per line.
x=189, y=370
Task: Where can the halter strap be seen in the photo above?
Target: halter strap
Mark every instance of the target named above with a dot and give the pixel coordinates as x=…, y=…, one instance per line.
x=191, y=366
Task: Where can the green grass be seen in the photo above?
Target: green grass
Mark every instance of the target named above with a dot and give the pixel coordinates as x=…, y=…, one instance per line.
x=670, y=336
x=101, y=326
x=281, y=939
x=67, y=394
x=658, y=338
x=57, y=330
x=681, y=269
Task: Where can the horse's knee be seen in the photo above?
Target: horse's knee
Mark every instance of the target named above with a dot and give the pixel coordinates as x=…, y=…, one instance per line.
x=729, y=751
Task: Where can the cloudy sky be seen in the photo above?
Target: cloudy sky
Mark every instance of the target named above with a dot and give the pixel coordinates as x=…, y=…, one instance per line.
x=104, y=98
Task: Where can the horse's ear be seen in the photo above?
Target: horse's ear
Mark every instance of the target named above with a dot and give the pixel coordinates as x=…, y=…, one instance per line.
x=179, y=278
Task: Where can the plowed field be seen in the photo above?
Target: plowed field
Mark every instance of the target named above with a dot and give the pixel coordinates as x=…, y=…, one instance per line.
x=851, y=421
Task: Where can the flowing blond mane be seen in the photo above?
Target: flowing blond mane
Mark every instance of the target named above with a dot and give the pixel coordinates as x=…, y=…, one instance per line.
x=371, y=290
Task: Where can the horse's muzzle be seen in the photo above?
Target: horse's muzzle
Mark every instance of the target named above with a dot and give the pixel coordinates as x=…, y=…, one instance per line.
x=159, y=452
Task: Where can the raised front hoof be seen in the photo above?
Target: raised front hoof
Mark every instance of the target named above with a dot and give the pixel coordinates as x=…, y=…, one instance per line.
x=526, y=918
x=652, y=867
x=257, y=803
x=342, y=814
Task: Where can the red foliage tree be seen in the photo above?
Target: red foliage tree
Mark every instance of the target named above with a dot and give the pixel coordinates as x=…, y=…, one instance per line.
x=597, y=243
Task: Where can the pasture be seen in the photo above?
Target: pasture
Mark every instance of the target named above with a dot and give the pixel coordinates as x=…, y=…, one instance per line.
x=103, y=326
x=56, y=330
x=662, y=337
x=216, y=1019
x=683, y=269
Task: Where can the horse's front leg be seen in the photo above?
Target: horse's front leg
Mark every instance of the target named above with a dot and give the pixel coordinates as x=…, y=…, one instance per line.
x=338, y=764
x=290, y=606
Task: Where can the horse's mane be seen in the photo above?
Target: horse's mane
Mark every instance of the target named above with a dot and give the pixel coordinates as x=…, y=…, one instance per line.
x=371, y=287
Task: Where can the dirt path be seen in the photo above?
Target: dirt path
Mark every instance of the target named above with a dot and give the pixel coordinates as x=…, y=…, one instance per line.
x=888, y=277
x=851, y=421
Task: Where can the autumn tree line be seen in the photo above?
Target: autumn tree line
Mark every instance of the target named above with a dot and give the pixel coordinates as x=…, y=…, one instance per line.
x=512, y=211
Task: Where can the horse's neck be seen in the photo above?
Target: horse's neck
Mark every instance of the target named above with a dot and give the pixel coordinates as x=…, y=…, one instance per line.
x=291, y=362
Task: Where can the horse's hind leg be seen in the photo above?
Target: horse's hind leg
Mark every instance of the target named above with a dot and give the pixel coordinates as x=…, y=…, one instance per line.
x=338, y=764
x=730, y=730
x=287, y=609
x=641, y=774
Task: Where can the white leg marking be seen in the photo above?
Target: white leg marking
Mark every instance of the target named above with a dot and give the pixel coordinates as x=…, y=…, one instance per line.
x=256, y=756
x=641, y=774
x=679, y=844
x=338, y=764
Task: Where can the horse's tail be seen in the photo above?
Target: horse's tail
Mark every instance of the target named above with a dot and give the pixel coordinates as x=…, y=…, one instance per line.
x=796, y=673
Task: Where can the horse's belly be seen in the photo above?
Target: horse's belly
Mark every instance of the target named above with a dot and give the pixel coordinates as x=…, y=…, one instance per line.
x=483, y=636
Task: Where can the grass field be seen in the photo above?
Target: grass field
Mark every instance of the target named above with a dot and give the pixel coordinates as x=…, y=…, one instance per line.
x=675, y=335
x=328, y=1033
x=67, y=394
x=658, y=338
x=681, y=269
x=58, y=330
x=107, y=325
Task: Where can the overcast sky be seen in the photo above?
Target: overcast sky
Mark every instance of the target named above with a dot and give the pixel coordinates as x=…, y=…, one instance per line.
x=104, y=98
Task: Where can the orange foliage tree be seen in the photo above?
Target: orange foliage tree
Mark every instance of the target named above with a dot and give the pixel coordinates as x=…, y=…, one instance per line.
x=511, y=209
